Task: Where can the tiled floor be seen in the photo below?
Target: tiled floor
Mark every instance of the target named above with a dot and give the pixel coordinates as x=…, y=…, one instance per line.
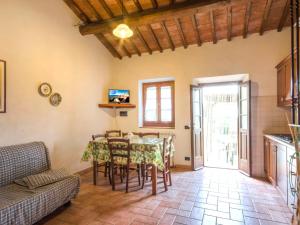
x=207, y=197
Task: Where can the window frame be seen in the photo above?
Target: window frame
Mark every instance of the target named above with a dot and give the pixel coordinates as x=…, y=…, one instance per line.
x=159, y=123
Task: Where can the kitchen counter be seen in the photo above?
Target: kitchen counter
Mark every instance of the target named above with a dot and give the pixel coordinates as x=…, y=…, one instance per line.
x=275, y=137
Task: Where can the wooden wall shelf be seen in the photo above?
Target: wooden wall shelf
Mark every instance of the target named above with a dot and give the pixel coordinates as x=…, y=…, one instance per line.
x=115, y=105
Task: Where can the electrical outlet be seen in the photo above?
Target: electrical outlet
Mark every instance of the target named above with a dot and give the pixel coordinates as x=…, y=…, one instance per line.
x=187, y=158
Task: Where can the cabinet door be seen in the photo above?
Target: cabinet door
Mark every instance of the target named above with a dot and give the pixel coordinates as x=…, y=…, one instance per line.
x=281, y=85
x=266, y=156
x=273, y=164
x=288, y=84
x=282, y=181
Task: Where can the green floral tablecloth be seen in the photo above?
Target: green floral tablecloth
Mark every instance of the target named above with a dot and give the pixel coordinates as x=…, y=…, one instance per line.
x=143, y=150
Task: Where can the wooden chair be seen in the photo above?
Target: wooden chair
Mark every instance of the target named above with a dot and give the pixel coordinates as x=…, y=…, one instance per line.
x=124, y=134
x=115, y=146
x=166, y=157
x=151, y=134
x=104, y=164
x=113, y=133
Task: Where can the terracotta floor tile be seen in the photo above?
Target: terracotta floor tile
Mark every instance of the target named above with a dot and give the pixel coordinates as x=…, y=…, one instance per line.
x=178, y=212
x=187, y=205
x=251, y=221
x=187, y=221
x=208, y=197
x=159, y=212
x=216, y=213
x=197, y=213
x=146, y=219
x=221, y=221
x=206, y=206
x=223, y=206
x=209, y=220
x=167, y=219
x=268, y=222
x=236, y=214
x=257, y=215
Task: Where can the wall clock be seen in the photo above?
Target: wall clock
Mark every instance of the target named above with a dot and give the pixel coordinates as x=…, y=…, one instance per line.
x=45, y=89
x=55, y=99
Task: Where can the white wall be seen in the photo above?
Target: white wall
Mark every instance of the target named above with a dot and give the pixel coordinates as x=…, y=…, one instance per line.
x=40, y=44
x=256, y=56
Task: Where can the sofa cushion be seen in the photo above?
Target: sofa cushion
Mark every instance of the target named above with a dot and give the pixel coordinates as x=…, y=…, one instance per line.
x=18, y=161
x=21, y=206
x=42, y=179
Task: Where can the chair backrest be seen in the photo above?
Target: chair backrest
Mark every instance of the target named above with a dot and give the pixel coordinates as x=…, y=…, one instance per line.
x=125, y=134
x=150, y=134
x=18, y=161
x=113, y=133
x=95, y=136
x=167, y=147
x=119, y=147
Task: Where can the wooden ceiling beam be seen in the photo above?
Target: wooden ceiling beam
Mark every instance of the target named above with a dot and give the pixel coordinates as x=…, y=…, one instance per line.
x=121, y=43
x=265, y=17
x=154, y=4
x=106, y=8
x=134, y=46
x=108, y=45
x=142, y=39
x=72, y=5
x=121, y=5
x=138, y=5
x=165, y=29
x=229, y=22
x=98, y=16
x=247, y=18
x=150, y=16
x=196, y=30
x=284, y=16
x=213, y=27
x=180, y=31
x=155, y=38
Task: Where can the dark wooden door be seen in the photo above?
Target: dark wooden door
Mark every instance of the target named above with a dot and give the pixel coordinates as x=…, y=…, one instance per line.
x=196, y=128
x=245, y=128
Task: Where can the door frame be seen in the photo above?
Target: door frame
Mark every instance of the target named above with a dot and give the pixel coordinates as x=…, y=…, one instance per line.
x=201, y=85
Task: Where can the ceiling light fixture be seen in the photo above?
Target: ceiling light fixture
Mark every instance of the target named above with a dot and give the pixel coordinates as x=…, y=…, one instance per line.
x=122, y=30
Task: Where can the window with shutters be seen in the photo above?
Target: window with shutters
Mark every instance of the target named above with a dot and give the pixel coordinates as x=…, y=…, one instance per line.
x=158, y=104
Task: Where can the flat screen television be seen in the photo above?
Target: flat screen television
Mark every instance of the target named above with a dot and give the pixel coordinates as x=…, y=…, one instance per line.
x=118, y=96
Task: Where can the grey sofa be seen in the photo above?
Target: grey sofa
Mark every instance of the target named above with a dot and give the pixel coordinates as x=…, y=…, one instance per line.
x=18, y=204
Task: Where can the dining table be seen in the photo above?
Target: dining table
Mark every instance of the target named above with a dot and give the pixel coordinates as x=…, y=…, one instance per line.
x=143, y=150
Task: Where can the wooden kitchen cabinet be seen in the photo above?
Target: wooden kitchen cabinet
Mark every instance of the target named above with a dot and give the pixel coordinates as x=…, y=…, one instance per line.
x=273, y=163
x=276, y=164
x=266, y=156
x=284, y=83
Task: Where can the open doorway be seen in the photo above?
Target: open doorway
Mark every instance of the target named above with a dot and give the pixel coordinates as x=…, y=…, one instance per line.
x=221, y=122
x=220, y=125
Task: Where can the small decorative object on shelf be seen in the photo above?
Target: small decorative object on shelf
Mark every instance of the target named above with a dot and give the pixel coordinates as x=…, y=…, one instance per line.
x=45, y=89
x=55, y=99
x=2, y=86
